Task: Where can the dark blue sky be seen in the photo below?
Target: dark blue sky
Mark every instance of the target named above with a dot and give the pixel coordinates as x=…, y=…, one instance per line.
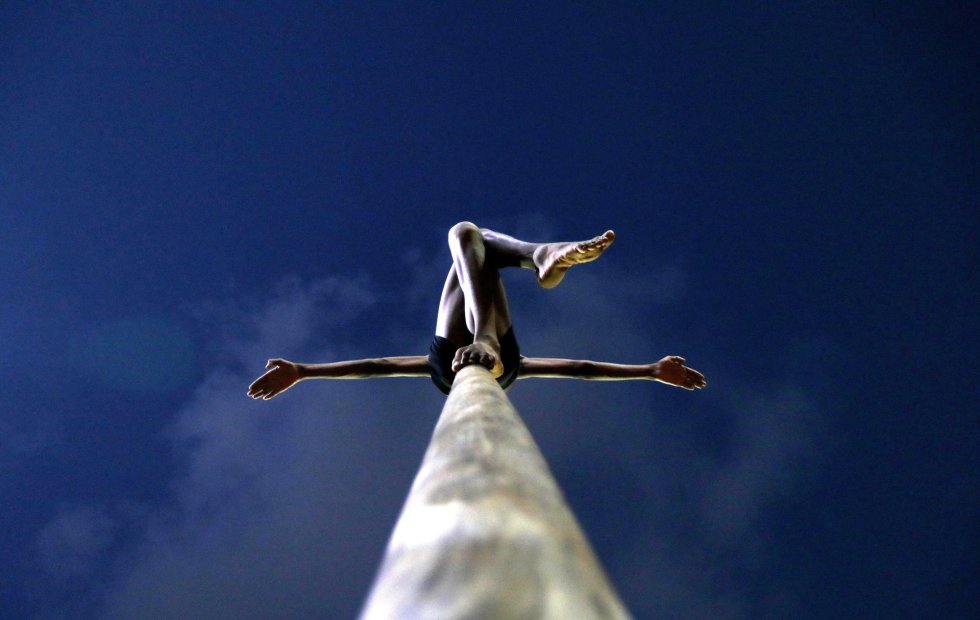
x=187, y=189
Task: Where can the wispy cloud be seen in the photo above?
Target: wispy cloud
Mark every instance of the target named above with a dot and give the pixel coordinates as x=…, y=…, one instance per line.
x=284, y=507
x=705, y=549
x=70, y=544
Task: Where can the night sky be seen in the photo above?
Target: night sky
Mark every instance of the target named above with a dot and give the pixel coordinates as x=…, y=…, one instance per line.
x=188, y=189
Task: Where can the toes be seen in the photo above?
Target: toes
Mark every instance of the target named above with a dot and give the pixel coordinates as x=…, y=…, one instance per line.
x=464, y=357
x=602, y=241
x=474, y=356
x=487, y=361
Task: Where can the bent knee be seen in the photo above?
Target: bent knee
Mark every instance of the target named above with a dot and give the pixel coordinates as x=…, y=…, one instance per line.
x=464, y=233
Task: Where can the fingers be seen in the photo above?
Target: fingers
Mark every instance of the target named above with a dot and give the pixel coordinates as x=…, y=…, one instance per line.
x=695, y=379
x=257, y=390
x=262, y=388
x=263, y=392
x=687, y=378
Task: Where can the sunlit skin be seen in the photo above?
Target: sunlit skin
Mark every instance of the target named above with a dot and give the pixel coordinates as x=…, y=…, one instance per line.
x=474, y=308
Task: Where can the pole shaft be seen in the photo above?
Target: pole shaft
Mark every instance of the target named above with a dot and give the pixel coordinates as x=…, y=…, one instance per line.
x=485, y=531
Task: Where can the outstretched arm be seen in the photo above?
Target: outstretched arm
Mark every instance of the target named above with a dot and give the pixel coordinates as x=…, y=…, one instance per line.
x=670, y=370
x=284, y=374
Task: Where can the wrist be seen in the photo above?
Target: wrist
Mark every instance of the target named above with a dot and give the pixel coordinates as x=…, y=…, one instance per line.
x=655, y=370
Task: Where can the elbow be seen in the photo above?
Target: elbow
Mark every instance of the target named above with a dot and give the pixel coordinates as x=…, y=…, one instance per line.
x=371, y=368
x=585, y=369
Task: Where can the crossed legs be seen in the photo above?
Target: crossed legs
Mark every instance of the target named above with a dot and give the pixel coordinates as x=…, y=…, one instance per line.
x=473, y=297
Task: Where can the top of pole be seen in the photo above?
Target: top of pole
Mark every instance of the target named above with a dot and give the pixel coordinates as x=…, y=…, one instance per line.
x=485, y=531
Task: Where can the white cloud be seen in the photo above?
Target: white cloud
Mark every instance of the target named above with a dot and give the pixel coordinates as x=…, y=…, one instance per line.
x=706, y=538
x=283, y=507
x=772, y=438
x=702, y=508
x=286, y=500
x=72, y=542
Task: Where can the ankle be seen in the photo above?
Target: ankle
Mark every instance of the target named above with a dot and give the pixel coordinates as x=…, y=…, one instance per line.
x=490, y=339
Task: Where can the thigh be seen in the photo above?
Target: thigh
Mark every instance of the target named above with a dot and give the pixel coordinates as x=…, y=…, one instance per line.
x=453, y=322
x=501, y=308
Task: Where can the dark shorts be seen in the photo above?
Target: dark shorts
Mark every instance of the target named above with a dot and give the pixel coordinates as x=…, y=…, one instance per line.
x=442, y=352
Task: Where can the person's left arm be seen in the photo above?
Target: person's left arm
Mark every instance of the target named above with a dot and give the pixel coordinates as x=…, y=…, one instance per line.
x=670, y=370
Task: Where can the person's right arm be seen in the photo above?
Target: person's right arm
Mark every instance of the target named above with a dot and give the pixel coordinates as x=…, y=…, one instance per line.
x=283, y=374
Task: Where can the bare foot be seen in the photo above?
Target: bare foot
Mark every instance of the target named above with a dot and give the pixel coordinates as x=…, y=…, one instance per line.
x=552, y=260
x=485, y=351
x=672, y=371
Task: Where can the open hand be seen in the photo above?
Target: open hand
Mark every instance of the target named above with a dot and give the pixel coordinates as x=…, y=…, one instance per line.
x=282, y=375
x=672, y=371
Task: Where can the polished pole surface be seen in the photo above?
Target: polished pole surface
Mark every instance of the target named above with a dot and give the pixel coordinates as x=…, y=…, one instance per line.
x=485, y=531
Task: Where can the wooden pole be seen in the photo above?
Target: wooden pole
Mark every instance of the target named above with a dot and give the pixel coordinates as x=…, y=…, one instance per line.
x=485, y=531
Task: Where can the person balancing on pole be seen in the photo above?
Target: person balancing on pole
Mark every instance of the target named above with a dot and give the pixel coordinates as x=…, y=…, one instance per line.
x=474, y=324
